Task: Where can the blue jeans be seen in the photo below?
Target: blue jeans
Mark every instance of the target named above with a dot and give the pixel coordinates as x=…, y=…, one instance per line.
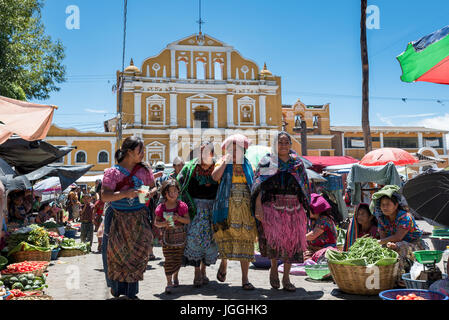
x=129, y=289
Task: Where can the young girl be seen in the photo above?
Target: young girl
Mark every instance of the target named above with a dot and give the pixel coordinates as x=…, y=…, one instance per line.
x=172, y=216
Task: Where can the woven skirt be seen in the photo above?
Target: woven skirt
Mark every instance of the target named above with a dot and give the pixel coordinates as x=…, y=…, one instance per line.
x=282, y=234
x=201, y=246
x=237, y=242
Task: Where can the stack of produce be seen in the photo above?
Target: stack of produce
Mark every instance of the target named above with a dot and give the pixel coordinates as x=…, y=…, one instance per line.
x=23, y=282
x=352, y=269
x=31, y=243
x=35, y=267
x=71, y=248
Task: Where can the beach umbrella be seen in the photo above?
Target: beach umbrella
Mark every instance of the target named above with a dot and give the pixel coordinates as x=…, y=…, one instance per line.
x=48, y=186
x=380, y=157
x=427, y=59
x=12, y=183
x=428, y=195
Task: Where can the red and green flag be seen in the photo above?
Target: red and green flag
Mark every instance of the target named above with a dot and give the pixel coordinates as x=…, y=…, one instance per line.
x=427, y=59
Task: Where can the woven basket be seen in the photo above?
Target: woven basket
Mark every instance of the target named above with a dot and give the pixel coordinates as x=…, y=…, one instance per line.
x=359, y=280
x=71, y=253
x=41, y=297
x=32, y=255
x=37, y=273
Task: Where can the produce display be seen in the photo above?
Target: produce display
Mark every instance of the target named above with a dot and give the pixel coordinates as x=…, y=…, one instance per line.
x=24, y=267
x=16, y=294
x=51, y=225
x=365, y=251
x=33, y=235
x=71, y=244
x=410, y=296
x=24, y=282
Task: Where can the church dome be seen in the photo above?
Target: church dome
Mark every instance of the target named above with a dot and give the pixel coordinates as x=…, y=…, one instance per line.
x=132, y=67
x=265, y=71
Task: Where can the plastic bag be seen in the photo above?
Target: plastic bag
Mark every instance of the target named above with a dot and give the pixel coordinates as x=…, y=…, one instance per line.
x=441, y=286
x=416, y=270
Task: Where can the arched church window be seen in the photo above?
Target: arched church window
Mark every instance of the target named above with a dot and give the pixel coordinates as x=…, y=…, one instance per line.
x=80, y=157
x=316, y=121
x=218, y=70
x=298, y=119
x=182, y=67
x=200, y=70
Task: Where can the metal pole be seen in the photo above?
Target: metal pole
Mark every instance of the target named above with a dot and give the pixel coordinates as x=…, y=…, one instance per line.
x=120, y=80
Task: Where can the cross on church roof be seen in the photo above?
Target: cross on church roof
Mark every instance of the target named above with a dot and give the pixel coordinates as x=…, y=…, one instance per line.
x=200, y=21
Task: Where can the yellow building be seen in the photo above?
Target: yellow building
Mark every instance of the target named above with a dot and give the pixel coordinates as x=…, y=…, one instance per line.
x=194, y=89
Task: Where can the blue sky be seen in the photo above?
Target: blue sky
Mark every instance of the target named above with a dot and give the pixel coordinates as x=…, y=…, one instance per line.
x=313, y=45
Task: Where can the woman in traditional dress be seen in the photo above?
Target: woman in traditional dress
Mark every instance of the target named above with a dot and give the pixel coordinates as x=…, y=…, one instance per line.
x=362, y=224
x=397, y=227
x=234, y=224
x=199, y=191
x=280, y=199
x=127, y=230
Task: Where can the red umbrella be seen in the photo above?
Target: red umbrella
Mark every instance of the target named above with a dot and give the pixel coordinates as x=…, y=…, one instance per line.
x=380, y=157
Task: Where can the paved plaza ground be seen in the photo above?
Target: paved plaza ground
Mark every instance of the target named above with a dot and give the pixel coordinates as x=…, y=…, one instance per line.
x=82, y=278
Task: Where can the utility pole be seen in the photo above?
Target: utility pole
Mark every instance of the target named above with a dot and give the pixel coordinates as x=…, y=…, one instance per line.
x=121, y=81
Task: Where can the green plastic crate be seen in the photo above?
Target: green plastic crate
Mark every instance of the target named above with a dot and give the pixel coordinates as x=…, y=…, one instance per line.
x=428, y=256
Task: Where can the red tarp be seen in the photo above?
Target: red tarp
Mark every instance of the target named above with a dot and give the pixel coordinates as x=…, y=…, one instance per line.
x=30, y=121
x=320, y=162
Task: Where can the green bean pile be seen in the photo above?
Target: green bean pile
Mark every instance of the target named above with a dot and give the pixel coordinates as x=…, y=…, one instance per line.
x=370, y=250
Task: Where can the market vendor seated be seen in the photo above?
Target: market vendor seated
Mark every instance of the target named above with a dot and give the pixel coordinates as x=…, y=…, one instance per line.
x=44, y=213
x=397, y=227
x=322, y=232
x=362, y=224
x=17, y=212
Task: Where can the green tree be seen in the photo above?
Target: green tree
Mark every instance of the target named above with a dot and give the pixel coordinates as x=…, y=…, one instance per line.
x=30, y=62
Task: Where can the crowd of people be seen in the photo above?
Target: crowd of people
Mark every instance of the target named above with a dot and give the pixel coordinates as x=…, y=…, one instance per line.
x=212, y=209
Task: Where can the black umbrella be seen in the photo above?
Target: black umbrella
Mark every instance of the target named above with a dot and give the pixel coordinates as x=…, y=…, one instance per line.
x=12, y=183
x=27, y=156
x=428, y=195
x=6, y=169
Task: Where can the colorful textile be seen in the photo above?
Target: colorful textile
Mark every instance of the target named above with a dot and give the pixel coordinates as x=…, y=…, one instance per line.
x=201, y=246
x=328, y=237
x=354, y=231
x=404, y=220
x=389, y=191
x=237, y=241
x=318, y=204
x=271, y=165
x=181, y=209
x=239, y=139
x=222, y=201
x=114, y=175
x=427, y=58
x=282, y=234
x=406, y=257
x=128, y=246
x=173, y=259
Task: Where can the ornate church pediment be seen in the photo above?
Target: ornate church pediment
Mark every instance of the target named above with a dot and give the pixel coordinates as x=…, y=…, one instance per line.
x=194, y=40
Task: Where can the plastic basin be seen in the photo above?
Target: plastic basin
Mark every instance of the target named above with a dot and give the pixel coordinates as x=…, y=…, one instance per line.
x=417, y=284
x=54, y=253
x=426, y=294
x=6, y=295
x=317, y=271
x=70, y=234
x=428, y=256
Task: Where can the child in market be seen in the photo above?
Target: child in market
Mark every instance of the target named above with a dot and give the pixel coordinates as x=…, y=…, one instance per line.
x=172, y=216
x=87, y=218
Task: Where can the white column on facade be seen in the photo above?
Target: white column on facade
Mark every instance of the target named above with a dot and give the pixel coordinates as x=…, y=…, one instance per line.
x=191, y=64
x=173, y=64
x=215, y=113
x=228, y=64
x=444, y=143
x=210, y=65
x=262, y=111
x=230, y=109
x=173, y=146
x=137, y=108
x=173, y=109
x=381, y=140
x=69, y=155
x=343, y=153
x=187, y=113
x=420, y=140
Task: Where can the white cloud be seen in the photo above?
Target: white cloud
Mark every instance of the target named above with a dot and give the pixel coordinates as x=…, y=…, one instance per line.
x=95, y=111
x=440, y=122
x=388, y=119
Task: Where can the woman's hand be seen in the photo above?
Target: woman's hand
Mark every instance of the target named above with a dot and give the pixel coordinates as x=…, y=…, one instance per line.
x=131, y=193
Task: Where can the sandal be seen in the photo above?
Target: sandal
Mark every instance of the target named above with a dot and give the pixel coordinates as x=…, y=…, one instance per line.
x=289, y=287
x=197, y=282
x=113, y=294
x=248, y=286
x=205, y=280
x=274, y=281
x=221, y=276
x=168, y=289
x=152, y=257
x=176, y=283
